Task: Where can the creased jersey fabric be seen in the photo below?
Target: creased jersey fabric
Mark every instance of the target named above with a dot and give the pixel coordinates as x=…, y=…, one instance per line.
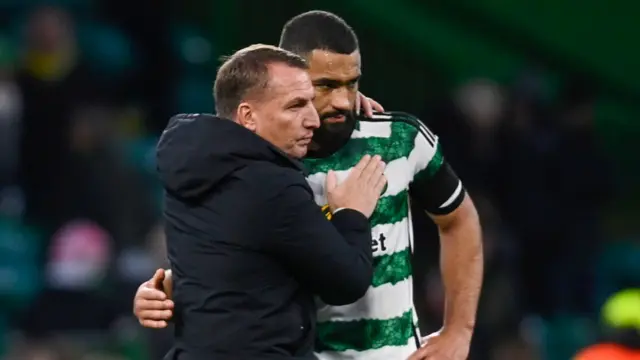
x=382, y=325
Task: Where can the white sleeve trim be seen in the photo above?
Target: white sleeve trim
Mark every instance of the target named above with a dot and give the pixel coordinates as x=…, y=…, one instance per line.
x=453, y=196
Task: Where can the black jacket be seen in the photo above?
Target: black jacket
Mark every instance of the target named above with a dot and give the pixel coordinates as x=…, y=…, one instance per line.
x=248, y=246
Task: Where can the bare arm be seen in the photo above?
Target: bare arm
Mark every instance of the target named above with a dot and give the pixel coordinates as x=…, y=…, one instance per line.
x=461, y=264
x=439, y=191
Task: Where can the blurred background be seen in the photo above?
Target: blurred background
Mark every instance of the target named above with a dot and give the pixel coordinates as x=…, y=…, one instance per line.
x=536, y=104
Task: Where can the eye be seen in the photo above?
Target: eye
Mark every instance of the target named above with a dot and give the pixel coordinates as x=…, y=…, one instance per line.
x=353, y=83
x=298, y=104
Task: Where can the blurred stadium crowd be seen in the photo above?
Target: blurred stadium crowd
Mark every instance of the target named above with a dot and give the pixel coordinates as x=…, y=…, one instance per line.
x=86, y=87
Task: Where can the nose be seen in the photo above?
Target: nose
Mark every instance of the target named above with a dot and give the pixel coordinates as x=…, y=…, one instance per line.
x=340, y=99
x=312, y=120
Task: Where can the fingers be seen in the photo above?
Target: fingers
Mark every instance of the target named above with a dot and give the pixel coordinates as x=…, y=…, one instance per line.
x=360, y=166
x=375, y=105
x=154, y=324
x=332, y=181
x=167, y=284
x=155, y=315
x=143, y=305
x=421, y=354
x=416, y=355
x=157, y=279
x=382, y=181
x=426, y=339
x=378, y=174
x=365, y=104
x=371, y=169
x=149, y=293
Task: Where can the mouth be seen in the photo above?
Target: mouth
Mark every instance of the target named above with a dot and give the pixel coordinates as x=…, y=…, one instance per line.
x=334, y=119
x=305, y=140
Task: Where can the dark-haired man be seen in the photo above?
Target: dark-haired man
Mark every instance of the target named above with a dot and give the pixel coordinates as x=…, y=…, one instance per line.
x=381, y=325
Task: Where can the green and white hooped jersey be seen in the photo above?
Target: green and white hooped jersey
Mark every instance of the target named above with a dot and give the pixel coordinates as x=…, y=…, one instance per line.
x=382, y=325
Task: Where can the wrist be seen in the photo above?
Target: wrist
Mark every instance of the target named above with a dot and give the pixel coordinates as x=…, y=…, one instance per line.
x=459, y=329
x=328, y=210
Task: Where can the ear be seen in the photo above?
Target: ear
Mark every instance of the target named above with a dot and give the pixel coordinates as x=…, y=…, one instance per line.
x=245, y=116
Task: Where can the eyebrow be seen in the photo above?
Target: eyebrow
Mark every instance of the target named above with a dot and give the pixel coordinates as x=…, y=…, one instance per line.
x=299, y=100
x=336, y=83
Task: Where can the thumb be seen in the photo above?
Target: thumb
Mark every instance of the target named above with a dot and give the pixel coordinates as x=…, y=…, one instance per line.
x=157, y=279
x=332, y=181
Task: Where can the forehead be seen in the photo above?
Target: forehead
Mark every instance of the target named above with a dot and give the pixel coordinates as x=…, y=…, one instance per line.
x=287, y=81
x=330, y=65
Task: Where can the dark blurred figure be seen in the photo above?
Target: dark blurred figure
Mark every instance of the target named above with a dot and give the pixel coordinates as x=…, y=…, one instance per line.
x=106, y=188
x=74, y=307
x=73, y=169
x=108, y=212
x=467, y=126
x=582, y=189
x=559, y=181
x=527, y=138
x=10, y=113
x=152, y=41
x=52, y=80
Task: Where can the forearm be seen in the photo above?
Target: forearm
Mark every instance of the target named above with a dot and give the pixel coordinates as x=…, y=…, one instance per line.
x=333, y=258
x=461, y=264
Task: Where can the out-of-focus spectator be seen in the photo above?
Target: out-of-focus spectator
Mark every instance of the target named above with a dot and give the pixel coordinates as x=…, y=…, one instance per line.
x=467, y=127
x=581, y=184
x=74, y=308
x=52, y=81
x=10, y=113
x=156, y=76
x=618, y=267
x=527, y=137
x=105, y=186
x=558, y=184
x=620, y=327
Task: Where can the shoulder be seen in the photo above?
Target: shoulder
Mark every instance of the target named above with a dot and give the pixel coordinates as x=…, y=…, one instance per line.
x=402, y=128
x=402, y=124
x=189, y=117
x=271, y=179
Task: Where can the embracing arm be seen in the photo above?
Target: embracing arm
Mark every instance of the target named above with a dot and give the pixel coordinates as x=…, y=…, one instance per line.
x=332, y=258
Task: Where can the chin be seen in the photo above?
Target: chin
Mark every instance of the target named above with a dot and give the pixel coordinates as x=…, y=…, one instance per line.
x=299, y=153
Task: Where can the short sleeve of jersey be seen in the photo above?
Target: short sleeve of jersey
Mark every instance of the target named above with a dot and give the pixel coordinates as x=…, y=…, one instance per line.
x=434, y=185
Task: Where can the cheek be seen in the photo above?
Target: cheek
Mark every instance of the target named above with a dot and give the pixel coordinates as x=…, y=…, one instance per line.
x=353, y=96
x=288, y=126
x=321, y=101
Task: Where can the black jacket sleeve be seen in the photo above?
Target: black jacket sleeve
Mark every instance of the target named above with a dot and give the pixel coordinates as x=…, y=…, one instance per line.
x=333, y=259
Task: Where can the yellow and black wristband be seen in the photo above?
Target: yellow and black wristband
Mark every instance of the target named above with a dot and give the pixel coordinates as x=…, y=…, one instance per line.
x=326, y=210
